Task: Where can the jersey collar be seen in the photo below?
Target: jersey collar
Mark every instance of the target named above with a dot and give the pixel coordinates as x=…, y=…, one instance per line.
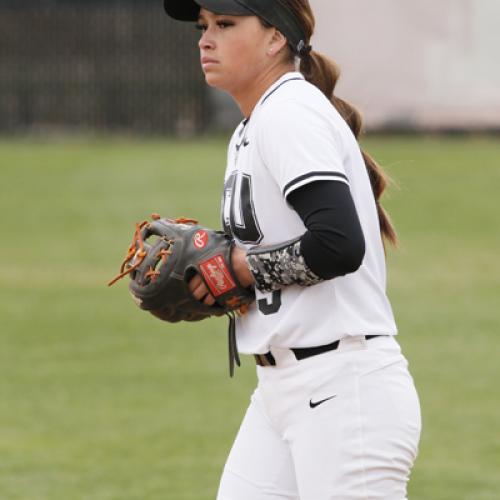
x=287, y=77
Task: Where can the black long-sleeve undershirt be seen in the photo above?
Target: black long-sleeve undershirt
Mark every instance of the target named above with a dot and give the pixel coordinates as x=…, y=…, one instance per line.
x=333, y=244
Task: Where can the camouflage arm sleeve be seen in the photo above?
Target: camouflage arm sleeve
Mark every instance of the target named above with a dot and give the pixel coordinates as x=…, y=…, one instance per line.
x=280, y=265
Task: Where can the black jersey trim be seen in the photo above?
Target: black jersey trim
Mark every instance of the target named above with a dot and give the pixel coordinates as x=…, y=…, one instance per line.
x=301, y=178
x=280, y=85
x=242, y=126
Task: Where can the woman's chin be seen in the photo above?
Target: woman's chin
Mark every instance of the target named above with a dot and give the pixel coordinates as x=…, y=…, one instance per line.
x=214, y=80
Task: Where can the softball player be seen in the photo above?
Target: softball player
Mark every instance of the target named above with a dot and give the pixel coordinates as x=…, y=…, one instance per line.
x=335, y=414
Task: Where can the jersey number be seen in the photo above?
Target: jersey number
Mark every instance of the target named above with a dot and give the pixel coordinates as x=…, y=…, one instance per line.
x=239, y=219
x=272, y=307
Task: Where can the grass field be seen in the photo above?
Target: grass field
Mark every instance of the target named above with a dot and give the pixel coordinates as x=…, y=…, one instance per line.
x=100, y=401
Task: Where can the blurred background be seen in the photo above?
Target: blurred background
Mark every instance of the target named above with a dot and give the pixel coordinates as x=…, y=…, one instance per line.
x=104, y=65
x=105, y=118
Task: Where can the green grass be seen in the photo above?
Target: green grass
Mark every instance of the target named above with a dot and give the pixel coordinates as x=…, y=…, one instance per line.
x=101, y=401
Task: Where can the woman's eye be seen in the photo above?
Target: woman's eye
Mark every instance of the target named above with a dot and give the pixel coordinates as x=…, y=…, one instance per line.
x=220, y=24
x=224, y=24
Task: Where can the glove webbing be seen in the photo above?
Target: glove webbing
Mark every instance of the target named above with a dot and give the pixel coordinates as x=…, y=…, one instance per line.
x=137, y=253
x=136, y=250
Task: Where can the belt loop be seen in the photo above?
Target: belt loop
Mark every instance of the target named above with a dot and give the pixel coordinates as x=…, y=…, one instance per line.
x=352, y=343
x=265, y=359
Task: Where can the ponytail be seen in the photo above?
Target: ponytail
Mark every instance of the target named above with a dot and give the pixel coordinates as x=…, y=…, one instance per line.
x=324, y=74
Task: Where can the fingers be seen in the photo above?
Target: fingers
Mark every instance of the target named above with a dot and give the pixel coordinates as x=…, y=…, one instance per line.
x=209, y=300
x=200, y=291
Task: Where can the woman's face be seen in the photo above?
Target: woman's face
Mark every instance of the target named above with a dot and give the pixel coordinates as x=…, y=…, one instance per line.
x=234, y=50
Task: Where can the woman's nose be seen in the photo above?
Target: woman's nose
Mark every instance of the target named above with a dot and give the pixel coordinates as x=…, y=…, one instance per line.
x=205, y=41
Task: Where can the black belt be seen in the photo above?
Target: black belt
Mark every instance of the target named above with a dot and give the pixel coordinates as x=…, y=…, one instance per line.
x=267, y=359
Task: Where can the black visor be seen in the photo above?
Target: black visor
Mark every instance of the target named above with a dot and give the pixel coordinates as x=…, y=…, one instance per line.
x=188, y=10
x=271, y=11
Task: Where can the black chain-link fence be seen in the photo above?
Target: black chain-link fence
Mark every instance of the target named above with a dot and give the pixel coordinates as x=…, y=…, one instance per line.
x=97, y=64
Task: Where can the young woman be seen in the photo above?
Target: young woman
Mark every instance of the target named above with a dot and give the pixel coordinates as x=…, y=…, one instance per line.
x=335, y=414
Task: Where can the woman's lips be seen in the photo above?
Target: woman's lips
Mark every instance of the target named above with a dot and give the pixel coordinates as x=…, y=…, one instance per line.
x=208, y=62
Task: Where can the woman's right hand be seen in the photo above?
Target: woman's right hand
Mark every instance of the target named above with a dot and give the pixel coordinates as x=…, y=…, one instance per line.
x=200, y=291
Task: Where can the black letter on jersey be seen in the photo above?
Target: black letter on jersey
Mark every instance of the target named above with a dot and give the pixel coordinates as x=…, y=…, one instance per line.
x=267, y=308
x=245, y=227
x=227, y=204
x=248, y=230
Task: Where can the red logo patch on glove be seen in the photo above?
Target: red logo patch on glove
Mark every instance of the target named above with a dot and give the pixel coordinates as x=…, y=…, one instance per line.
x=200, y=239
x=217, y=275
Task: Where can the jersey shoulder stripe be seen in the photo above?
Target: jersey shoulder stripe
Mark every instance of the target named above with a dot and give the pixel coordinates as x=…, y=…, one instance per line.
x=302, y=180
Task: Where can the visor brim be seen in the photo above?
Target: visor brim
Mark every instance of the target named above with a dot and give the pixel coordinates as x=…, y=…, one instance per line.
x=189, y=10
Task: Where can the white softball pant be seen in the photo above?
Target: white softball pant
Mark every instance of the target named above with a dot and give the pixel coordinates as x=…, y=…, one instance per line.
x=343, y=425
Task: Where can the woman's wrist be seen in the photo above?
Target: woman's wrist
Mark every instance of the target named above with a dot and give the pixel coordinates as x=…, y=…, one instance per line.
x=240, y=267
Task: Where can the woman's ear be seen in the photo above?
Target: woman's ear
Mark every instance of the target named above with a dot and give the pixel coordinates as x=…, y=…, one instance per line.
x=277, y=42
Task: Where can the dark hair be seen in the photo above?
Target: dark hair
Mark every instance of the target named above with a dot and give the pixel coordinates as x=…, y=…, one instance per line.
x=324, y=74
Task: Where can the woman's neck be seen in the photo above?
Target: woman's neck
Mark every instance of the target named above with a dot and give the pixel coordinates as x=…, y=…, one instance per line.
x=248, y=98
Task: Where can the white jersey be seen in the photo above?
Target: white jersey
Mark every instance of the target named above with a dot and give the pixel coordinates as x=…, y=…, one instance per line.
x=293, y=137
